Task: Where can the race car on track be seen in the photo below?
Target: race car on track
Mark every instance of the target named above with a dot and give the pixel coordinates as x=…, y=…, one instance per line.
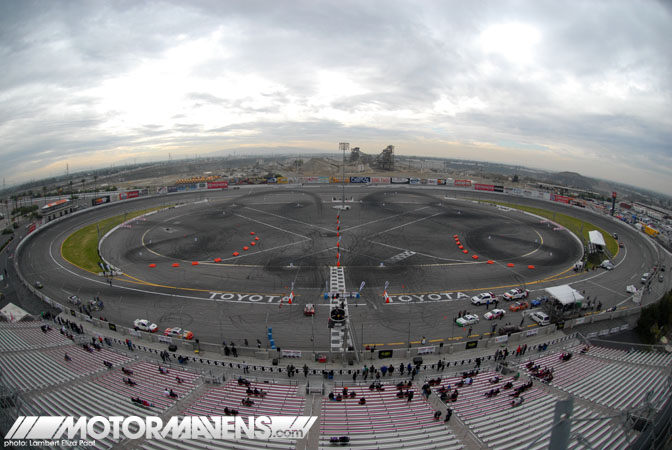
x=179, y=333
x=494, y=314
x=482, y=299
x=519, y=306
x=538, y=301
x=309, y=310
x=468, y=319
x=145, y=325
x=516, y=294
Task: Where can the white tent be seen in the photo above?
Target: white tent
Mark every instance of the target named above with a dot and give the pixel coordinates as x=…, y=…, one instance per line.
x=596, y=238
x=565, y=294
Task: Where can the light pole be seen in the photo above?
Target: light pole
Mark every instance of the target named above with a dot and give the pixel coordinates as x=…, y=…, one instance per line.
x=343, y=146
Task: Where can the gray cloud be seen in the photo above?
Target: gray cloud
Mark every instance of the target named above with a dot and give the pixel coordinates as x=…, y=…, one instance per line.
x=83, y=81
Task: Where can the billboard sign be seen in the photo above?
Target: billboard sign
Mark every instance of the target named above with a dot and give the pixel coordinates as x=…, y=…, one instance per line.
x=380, y=180
x=414, y=180
x=218, y=184
x=484, y=187
x=360, y=179
x=441, y=181
x=128, y=194
x=463, y=183
x=396, y=180
x=100, y=200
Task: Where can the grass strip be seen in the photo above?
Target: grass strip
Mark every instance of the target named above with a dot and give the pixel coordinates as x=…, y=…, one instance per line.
x=577, y=226
x=81, y=247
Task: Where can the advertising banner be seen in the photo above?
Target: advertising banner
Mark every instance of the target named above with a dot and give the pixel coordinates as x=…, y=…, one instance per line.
x=414, y=180
x=484, y=187
x=560, y=198
x=395, y=180
x=463, y=183
x=172, y=188
x=310, y=180
x=441, y=181
x=161, y=190
x=218, y=184
x=281, y=180
x=432, y=181
x=323, y=180
x=100, y=200
x=499, y=188
x=544, y=195
x=360, y=179
x=128, y=194
x=291, y=353
x=380, y=180
x=426, y=350
x=339, y=180
x=500, y=339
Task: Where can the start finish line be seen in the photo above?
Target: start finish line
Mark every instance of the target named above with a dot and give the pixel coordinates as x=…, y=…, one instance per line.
x=433, y=297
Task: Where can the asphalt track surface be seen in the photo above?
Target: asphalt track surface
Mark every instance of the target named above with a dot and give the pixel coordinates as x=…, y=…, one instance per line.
x=408, y=229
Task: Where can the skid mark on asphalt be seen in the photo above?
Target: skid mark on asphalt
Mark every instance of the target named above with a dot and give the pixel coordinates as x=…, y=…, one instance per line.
x=386, y=218
x=285, y=218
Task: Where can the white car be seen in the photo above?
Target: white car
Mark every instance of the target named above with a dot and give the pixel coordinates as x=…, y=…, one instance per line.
x=516, y=294
x=179, y=333
x=540, y=317
x=468, y=319
x=631, y=289
x=494, y=314
x=606, y=264
x=645, y=278
x=145, y=325
x=482, y=299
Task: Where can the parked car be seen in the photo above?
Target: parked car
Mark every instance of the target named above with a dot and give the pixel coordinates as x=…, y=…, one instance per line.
x=482, y=299
x=661, y=277
x=179, y=333
x=606, y=264
x=540, y=317
x=519, y=306
x=631, y=289
x=662, y=268
x=494, y=314
x=508, y=329
x=516, y=294
x=645, y=278
x=145, y=325
x=538, y=301
x=468, y=319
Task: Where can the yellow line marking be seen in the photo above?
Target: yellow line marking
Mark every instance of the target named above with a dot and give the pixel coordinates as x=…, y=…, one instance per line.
x=436, y=340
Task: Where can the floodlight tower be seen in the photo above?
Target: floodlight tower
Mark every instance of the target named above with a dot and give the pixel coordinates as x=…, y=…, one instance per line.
x=345, y=146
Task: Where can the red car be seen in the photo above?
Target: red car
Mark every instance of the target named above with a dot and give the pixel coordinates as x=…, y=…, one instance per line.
x=519, y=306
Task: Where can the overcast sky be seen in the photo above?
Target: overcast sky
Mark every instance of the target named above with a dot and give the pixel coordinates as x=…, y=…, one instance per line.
x=560, y=85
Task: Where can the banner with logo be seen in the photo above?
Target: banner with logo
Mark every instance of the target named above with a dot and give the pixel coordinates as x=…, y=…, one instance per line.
x=462, y=183
x=396, y=180
x=100, y=200
x=360, y=179
x=218, y=184
x=484, y=187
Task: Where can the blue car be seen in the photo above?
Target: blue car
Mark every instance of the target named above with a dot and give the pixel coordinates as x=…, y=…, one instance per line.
x=538, y=301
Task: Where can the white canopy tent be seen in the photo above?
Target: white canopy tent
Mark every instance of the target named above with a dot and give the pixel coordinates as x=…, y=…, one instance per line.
x=565, y=294
x=596, y=238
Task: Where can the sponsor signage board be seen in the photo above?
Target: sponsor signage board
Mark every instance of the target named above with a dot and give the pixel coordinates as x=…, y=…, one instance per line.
x=100, y=200
x=218, y=184
x=397, y=180
x=462, y=183
x=360, y=179
x=484, y=187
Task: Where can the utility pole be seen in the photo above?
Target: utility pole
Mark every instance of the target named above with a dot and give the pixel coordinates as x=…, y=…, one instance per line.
x=343, y=146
